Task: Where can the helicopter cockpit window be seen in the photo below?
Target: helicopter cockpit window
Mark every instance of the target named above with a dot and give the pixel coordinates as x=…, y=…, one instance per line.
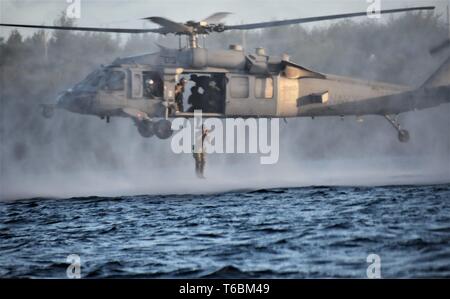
x=264, y=88
x=91, y=82
x=93, y=79
x=115, y=80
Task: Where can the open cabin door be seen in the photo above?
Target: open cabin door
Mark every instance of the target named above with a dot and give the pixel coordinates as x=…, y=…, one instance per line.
x=171, y=76
x=204, y=91
x=145, y=91
x=250, y=95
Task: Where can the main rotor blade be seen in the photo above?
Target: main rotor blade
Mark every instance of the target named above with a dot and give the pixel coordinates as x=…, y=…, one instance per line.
x=216, y=18
x=316, y=19
x=169, y=26
x=90, y=29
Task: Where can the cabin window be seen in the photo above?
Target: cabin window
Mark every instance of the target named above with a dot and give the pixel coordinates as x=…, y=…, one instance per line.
x=115, y=80
x=153, y=85
x=264, y=88
x=314, y=98
x=239, y=87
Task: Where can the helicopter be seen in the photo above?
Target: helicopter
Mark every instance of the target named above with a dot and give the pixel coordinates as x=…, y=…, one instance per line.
x=231, y=83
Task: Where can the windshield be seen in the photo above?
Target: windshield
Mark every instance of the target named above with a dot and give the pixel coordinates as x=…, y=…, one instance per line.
x=110, y=80
x=115, y=80
x=91, y=82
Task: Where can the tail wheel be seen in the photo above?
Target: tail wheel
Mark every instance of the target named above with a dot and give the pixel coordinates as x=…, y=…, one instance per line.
x=403, y=136
x=146, y=129
x=163, y=129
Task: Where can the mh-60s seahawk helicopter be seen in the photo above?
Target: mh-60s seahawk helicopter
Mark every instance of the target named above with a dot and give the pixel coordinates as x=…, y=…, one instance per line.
x=232, y=84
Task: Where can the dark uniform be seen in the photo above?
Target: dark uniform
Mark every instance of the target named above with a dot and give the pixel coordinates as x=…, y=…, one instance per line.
x=195, y=99
x=200, y=81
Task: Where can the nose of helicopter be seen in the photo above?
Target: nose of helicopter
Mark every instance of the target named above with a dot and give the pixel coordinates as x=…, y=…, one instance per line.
x=76, y=101
x=62, y=99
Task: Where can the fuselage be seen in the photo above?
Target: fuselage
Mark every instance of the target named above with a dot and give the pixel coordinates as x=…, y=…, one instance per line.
x=250, y=85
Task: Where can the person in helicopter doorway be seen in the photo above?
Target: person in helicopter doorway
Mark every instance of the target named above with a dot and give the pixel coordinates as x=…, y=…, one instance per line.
x=200, y=81
x=212, y=97
x=199, y=152
x=149, y=88
x=179, y=91
x=195, y=99
x=153, y=86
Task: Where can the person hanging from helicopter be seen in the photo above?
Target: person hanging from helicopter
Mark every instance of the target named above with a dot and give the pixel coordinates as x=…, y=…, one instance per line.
x=199, y=151
x=179, y=91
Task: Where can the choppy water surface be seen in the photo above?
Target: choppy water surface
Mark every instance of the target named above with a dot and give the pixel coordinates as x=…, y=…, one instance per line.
x=310, y=232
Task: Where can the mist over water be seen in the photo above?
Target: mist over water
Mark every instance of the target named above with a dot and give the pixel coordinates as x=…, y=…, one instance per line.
x=74, y=155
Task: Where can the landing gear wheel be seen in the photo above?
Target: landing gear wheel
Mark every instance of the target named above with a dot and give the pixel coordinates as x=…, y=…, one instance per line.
x=146, y=128
x=163, y=129
x=48, y=112
x=403, y=136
